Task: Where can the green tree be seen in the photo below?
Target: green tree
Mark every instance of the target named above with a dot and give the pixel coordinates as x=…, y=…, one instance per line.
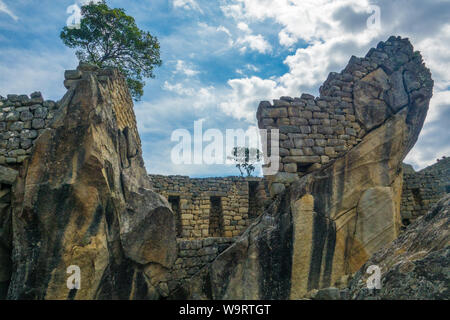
x=245, y=159
x=108, y=37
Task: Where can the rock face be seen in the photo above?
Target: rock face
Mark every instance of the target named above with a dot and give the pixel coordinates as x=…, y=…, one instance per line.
x=332, y=216
x=83, y=199
x=414, y=266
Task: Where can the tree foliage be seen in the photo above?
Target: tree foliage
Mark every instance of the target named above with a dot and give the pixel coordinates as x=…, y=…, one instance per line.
x=107, y=37
x=245, y=159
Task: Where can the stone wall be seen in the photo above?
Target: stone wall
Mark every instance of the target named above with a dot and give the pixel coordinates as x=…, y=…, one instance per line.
x=193, y=255
x=316, y=131
x=312, y=131
x=193, y=202
x=22, y=119
x=422, y=189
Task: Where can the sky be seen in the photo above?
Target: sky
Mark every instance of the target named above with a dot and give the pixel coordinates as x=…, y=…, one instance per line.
x=220, y=58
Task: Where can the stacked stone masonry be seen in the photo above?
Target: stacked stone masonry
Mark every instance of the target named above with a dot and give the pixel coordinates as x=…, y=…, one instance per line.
x=22, y=119
x=193, y=255
x=422, y=189
x=211, y=207
x=314, y=131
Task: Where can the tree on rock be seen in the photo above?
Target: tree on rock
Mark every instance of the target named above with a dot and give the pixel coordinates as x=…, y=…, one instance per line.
x=108, y=37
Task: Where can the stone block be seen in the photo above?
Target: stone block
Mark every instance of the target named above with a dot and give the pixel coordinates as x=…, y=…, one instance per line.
x=26, y=115
x=12, y=116
x=38, y=123
x=41, y=112
x=290, y=167
x=277, y=113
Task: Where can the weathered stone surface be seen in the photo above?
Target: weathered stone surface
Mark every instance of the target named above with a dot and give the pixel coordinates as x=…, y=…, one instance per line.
x=8, y=175
x=327, y=294
x=5, y=238
x=369, y=110
x=144, y=233
x=72, y=74
x=328, y=223
x=414, y=266
x=262, y=252
x=78, y=202
x=276, y=188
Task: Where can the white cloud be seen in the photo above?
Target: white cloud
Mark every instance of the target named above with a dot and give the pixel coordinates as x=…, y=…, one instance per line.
x=184, y=68
x=241, y=102
x=252, y=41
x=84, y=2
x=178, y=88
x=223, y=29
x=211, y=39
x=255, y=42
x=248, y=67
x=252, y=67
x=187, y=5
x=5, y=9
x=193, y=95
x=244, y=27
x=309, y=20
x=335, y=30
x=329, y=47
x=436, y=55
x=23, y=72
x=286, y=39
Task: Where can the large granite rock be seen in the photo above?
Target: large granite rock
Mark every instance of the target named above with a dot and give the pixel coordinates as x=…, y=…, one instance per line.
x=83, y=199
x=414, y=266
x=328, y=223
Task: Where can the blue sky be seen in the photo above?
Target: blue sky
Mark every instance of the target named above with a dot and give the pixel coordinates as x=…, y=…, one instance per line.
x=220, y=58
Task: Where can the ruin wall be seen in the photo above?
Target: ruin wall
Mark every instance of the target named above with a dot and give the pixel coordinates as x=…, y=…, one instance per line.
x=22, y=119
x=422, y=189
x=193, y=255
x=211, y=207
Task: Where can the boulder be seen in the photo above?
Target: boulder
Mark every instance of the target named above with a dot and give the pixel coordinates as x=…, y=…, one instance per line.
x=414, y=266
x=80, y=200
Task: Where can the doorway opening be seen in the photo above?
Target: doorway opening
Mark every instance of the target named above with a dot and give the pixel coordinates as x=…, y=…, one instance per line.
x=176, y=209
x=216, y=217
x=253, y=205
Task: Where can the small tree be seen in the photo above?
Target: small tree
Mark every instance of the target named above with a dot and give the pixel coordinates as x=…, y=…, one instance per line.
x=109, y=38
x=245, y=159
